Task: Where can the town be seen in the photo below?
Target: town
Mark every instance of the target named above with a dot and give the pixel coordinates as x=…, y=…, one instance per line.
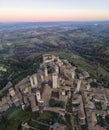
x=59, y=87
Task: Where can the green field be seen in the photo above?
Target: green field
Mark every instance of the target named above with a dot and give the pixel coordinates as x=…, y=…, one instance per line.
x=14, y=119
x=49, y=118
x=83, y=65
x=107, y=52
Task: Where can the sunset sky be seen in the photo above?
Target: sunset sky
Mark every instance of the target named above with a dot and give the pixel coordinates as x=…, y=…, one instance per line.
x=53, y=10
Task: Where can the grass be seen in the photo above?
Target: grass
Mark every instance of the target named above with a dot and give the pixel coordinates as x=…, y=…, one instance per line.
x=28, y=68
x=77, y=61
x=13, y=125
x=55, y=103
x=82, y=64
x=2, y=126
x=14, y=114
x=46, y=117
x=69, y=106
x=38, y=126
x=107, y=52
x=16, y=117
x=20, y=115
x=102, y=122
x=50, y=118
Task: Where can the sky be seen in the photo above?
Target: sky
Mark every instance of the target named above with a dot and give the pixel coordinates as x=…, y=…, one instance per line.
x=53, y=10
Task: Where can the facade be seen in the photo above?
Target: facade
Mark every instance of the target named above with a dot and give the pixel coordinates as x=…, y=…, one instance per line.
x=78, y=86
x=48, y=58
x=38, y=95
x=32, y=100
x=12, y=92
x=33, y=81
x=55, y=80
x=46, y=72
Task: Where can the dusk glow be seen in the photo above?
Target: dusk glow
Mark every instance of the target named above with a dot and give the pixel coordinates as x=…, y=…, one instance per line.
x=54, y=10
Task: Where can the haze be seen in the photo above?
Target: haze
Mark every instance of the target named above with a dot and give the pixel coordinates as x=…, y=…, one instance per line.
x=53, y=10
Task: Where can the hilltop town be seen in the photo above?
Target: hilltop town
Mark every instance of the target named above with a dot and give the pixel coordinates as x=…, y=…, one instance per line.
x=59, y=87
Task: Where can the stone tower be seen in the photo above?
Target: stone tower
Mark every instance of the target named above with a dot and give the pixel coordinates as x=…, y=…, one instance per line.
x=33, y=81
x=55, y=80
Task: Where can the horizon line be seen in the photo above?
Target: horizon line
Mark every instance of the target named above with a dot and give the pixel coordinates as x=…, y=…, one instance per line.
x=54, y=21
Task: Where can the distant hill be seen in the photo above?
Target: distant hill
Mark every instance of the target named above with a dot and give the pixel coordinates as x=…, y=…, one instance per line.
x=87, y=40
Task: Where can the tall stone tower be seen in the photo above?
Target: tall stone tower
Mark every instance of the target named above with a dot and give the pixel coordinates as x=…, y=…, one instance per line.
x=73, y=74
x=55, y=80
x=12, y=92
x=42, y=77
x=78, y=86
x=46, y=72
x=33, y=81
x=38, y=95
x=57, y=69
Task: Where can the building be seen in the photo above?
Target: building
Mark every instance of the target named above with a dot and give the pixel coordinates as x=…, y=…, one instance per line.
x=73, y=74
x=41, y=77
x=12, y=92
x=78, y=86
x=16, y=101
x=38, y=95
x=46, y=72
x=32, y=100
x=33, y=81
x=57, y=69
x=48, y=58
x=63, y=92
x=55, y=80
